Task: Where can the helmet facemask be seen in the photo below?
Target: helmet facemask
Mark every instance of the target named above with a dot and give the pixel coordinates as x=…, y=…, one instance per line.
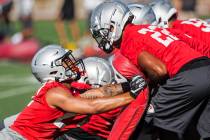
x=57, y=64
x=73, y=68
x=104, y=39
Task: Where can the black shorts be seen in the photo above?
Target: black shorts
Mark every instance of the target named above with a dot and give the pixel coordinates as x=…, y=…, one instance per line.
x=182, y=98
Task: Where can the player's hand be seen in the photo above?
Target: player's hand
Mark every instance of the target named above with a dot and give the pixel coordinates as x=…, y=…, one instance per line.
x=137, y=84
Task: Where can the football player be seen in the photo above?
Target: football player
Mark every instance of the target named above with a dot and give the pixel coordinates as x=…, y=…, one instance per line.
x=99, y=72
x=193, y=31
x=181, y=72
x=53, y=103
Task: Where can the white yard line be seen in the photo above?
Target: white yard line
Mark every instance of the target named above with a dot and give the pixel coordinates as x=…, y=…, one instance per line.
x=12, y=80
x=9, y=84
x=18, y=91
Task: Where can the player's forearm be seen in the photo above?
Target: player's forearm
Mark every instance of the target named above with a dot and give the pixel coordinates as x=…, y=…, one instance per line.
x=105, y=104
x=106, y=91
x=91, y=94
x=115, y=89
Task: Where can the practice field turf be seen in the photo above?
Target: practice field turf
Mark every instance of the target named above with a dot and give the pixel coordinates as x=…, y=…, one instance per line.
x=17, y=85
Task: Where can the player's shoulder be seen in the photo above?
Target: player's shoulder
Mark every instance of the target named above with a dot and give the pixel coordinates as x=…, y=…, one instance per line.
x=58, y=93
x=131, y=31
x=56, y=87
x=130, y=28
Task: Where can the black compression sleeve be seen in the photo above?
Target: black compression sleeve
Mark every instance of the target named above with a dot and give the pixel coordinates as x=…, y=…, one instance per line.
x=125, y=87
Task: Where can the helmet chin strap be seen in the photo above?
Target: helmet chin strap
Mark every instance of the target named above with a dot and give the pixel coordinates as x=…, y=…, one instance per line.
x=109, y=45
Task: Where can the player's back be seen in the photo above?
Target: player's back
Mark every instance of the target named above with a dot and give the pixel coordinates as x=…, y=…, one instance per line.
x=196, y=44
x=196, y=28
x=158, y=42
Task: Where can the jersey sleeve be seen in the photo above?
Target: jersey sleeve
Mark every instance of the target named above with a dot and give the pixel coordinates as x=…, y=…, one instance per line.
x=131, y=50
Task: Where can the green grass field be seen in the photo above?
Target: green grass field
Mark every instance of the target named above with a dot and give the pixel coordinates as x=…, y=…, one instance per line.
x=17, y=84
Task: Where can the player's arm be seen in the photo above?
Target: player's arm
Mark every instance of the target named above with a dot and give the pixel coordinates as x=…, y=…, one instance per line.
x=107, y=91
x=153, y=67
x=60, y=98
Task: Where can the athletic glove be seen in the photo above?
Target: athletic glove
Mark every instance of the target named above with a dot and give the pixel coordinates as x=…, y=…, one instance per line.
x=137, y=84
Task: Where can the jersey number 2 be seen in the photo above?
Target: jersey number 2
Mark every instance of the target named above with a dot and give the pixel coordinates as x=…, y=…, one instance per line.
x=164, y=37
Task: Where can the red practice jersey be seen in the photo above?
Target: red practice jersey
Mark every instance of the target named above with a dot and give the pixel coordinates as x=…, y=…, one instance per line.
x=196, y=44
x=101, y=124
x=159, y=42
x=40, y=121
x=196, y=28
x=96, y=124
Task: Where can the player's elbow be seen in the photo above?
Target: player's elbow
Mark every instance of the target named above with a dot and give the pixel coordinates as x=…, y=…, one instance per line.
x=161, y=71
x=157, y=74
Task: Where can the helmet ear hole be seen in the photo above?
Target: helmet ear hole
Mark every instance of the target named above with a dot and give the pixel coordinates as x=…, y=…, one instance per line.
x=111, y=28
x=53, y=72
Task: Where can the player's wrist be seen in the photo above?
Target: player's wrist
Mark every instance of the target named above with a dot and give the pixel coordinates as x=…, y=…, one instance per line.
x=125, y=86
x=137, y=84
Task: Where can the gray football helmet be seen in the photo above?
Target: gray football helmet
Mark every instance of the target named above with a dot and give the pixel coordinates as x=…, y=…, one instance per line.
x=98, y=72
x=164, y=11
x=143, y=14
x=53, y=62
x=107, y=23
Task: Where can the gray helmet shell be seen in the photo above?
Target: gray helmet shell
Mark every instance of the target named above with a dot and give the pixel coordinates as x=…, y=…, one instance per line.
x=163, y=11
x=107, y=23
x=46, y=64
x=98, y=72
x=143, y=14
